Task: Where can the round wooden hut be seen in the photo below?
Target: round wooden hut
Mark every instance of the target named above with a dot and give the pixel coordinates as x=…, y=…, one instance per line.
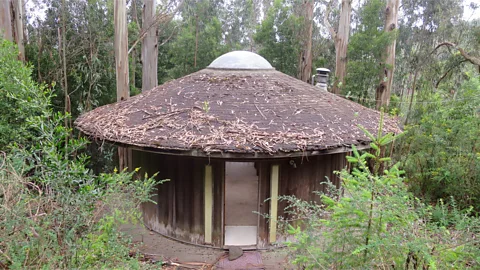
x=229, y=137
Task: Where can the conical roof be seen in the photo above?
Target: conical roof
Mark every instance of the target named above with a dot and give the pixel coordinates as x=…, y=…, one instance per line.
x=238, y=105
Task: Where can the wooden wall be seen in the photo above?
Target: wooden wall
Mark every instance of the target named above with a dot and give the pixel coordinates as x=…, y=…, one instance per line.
x=179, y=208
x=300, y=180
x=179, y=211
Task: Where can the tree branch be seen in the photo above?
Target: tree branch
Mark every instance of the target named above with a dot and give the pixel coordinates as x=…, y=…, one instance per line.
x=448, y=71
x=159, y=17
x=327, y=23
x=470, y=58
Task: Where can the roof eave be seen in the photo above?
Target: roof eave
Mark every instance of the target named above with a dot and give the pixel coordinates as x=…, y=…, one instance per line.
x=218, y=154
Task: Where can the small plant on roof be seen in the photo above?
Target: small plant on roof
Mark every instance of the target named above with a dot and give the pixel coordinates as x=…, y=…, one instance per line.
x=206, y=106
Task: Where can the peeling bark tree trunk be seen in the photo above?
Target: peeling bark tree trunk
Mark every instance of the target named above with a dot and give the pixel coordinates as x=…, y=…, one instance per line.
x=384, y=88
x=341, y=44
x=63, y=42
x=6, y=26
x=305, y=61
x=133, y=50
x=196, y=42
x=149, y=47
x=121, y=62
x=11, y=23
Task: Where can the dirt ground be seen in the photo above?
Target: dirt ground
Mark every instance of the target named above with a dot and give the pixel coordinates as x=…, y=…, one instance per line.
x=161, y=248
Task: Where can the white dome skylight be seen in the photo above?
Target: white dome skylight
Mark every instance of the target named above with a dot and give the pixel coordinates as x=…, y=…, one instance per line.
x=240, y=60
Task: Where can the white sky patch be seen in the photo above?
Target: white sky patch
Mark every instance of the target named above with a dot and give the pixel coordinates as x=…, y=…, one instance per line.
x=470, y=14
x=35, y=10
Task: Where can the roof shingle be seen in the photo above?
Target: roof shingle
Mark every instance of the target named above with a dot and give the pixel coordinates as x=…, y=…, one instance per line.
x=236, y=111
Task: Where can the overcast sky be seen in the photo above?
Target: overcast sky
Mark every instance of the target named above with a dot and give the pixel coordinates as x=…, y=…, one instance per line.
x=468, y=13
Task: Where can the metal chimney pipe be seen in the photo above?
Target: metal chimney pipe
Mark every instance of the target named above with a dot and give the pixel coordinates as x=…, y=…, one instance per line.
x=321, y=78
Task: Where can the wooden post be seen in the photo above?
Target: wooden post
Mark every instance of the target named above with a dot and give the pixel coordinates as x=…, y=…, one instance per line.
x=149, y=47
x=208, y=199
x=274, y=203
x=121, y=61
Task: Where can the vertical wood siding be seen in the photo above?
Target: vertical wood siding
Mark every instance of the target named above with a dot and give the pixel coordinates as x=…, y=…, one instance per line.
x=179, y=211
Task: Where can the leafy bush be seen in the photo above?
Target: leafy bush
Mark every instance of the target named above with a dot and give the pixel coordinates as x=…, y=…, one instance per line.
x=20, y=97
x=373, y=222
x=54, y=212
x=441, y=151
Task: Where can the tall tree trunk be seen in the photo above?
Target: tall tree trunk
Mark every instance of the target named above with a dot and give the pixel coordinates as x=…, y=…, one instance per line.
x=196, y=42
x=18, y=32
x=62, y=40
x=6, y=25
x=121, y=62
x=341, y=43
x=64, y=60
x=305, y=59
x=411, y=97
x=149, y=47
x=133, y=50
x=384, y=88
x=11, y=23
x=266, y=5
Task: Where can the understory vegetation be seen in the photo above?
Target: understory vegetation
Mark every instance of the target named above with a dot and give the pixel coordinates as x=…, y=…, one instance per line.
x=54, y=212
x=374, y=222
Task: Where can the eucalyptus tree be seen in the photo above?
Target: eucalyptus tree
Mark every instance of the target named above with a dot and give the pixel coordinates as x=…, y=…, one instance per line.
x=149, y=46
x=121, y=67
x=306, y=33
x=199, y=39
x=340, y=37
x=278, y=37
x=89, y=58
x=384, y=88
x=240, y=19
x=422, y=27
x=365, y=51
x=11, y=23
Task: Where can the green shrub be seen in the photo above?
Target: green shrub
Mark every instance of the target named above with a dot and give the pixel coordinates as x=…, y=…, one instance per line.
x=442, y=148
x=373, y=222
x=54, y=212
x=20, y=97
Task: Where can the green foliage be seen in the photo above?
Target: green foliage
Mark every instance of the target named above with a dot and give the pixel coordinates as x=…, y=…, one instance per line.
x=20, y=97
x=240, y=23
x=373, y=222
x=278, y=37
x=441, y=149
x=201, y=32
x=89, y=55
x=365, y=50
x=54, y=212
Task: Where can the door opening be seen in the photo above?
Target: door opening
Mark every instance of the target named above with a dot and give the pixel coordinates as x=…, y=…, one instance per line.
x=241, y=200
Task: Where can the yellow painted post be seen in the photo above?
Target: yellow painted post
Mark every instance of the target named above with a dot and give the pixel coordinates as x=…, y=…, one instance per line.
x=273, y=202
x=208, y=204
